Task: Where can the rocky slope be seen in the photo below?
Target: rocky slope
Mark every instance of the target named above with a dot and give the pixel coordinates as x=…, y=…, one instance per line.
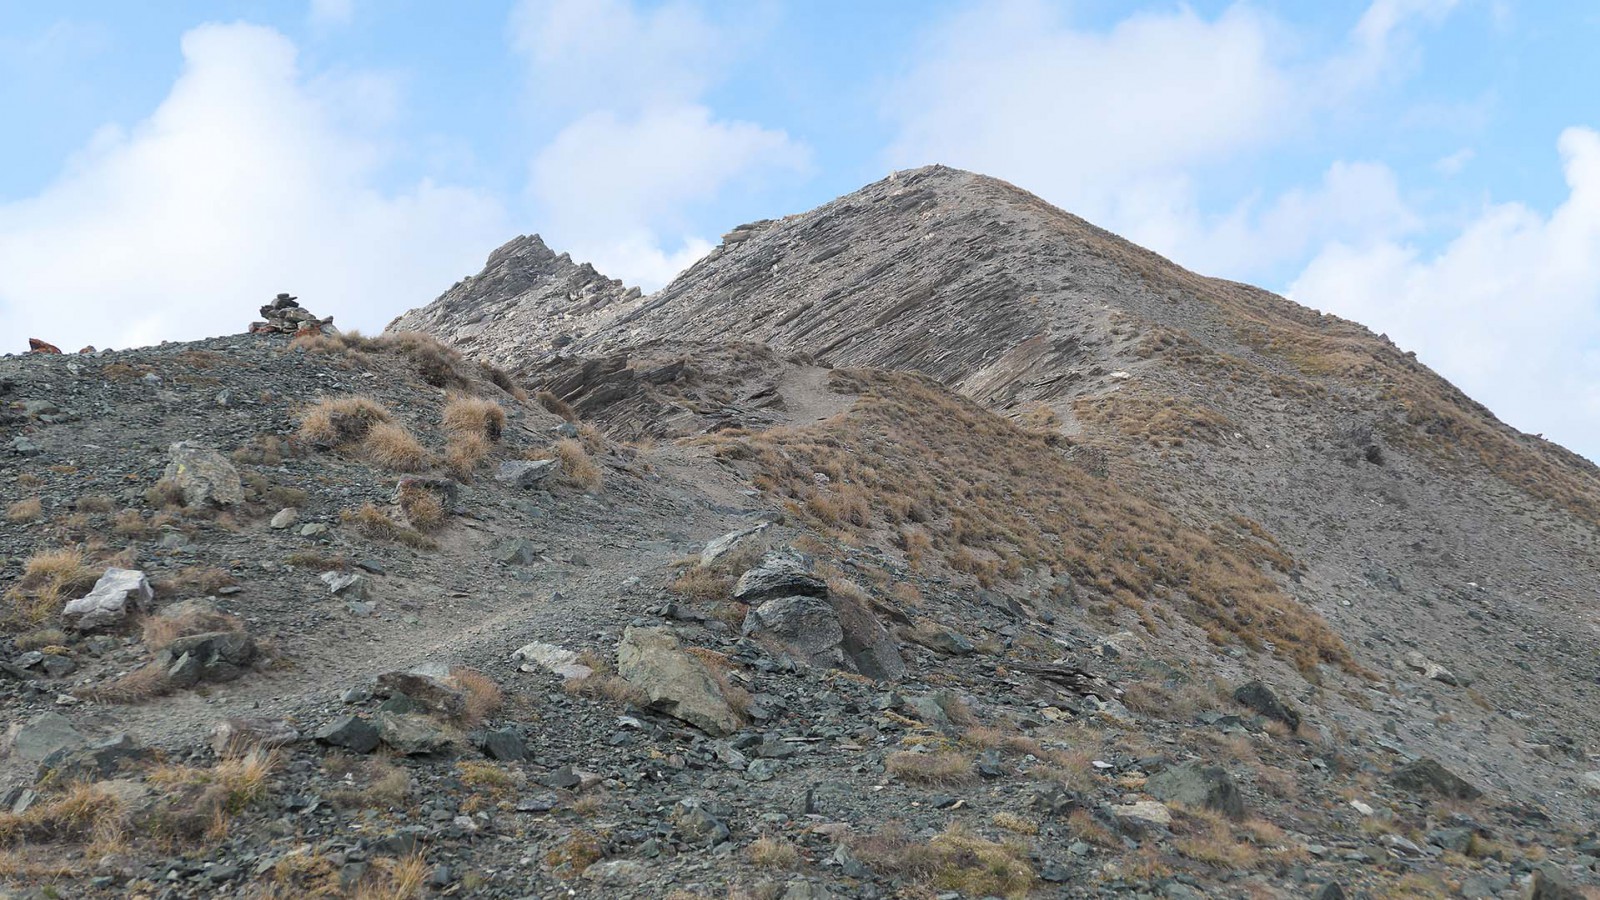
x=786, y=586
x=526, y=302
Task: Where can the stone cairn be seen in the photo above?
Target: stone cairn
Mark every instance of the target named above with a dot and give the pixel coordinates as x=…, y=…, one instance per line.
x=285, y=315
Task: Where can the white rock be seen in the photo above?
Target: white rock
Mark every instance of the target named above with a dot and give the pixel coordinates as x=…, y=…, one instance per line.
x=285, y=518
x=117, y=593
x=1590, y=781
x=729, y=542
x=1362, y=808
x=539, y=656
x=1148, y=812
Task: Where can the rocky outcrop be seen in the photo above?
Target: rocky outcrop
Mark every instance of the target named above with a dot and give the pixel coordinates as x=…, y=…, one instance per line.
x=675, y=681
x=527, y=302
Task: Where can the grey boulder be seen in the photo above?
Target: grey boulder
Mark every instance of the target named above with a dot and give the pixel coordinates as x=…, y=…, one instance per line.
x=778, y=575
x=117, y=593
x=203, y=475
x=675, y=681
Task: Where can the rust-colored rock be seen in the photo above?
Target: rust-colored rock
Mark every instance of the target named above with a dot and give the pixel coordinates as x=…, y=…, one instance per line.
x=37, y=346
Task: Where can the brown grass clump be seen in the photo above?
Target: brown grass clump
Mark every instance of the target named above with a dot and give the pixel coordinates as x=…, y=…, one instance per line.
x=773, y=853
x=556, y=405
x=374, y=523
x=996, y=501
x=423, y=508
x=706, y=585
x=464, y=453
x=48, y=578
x=26, y=510
x=1167, y=421
x=483, y=695
x=80, y=813
x=339, y=421
x=578, y=851
x=202, y=802
x=937, y=767
x=144, y=683
x=955, y=860
x=317, y=561
x=576, y=466
x=386, y=785
x=193, y=580
x=438, y=364
x=391, y=446
x=395, y=879
x=465, y=414
x=170, y=624
x=164, y=494
x=1014, y=823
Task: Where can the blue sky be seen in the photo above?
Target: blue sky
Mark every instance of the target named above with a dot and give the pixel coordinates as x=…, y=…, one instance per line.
x=1428, y=167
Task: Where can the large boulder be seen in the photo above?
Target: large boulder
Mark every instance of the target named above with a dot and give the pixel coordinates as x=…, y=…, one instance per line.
x=43, y=736
x=203, y=475
x=212, y=656
x=410, y=734
x=675, y=681
x=117, y=593
x=1428, y=776
x=724, y=546
x=868, y=647
x=426, y=690
x=237, y=735
x=1197, y=785
x=807, y=627
x=778, y=575
x=1257, y=696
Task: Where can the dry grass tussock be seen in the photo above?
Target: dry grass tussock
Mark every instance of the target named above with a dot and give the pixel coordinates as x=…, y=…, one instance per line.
x=576, y=466
x=556, y=405
x=464, y=414
x=483, y=694
x=955, y=860
x=372, y=522
x=392, y=446
x=341, y=421
x=424, y=509
x=936, y=767
x=49, y=579
x=170, y=624
x=437, y=364
x=26, y=510
x=937, y=475
x=1161, y=422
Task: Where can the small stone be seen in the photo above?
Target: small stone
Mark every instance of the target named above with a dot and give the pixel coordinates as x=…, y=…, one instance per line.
x=1329, y=891
x=1143, y=815
x=538, y=803
x=1428, y=776
x=1258, y=697
x=349, y=585
x=285, y=518
x=236, y=735
x=314, y=529
x=351, y=733
x=505, y=745
x=524, y=473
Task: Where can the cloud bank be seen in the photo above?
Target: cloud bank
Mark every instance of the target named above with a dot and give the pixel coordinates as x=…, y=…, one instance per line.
x=248, y=179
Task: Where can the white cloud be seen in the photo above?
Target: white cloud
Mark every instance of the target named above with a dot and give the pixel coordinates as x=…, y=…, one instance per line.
x=619, y=184
x=585, y=53
x=608, y=186
x=1451, y=166
x=328, y=14
x=1509, y=310
x=246, y=180
x=1119, y=125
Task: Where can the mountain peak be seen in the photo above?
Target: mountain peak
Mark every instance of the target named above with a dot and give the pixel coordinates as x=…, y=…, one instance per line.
x=527, y=300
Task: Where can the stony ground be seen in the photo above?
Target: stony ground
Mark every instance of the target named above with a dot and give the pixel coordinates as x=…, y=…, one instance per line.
x=801, y=716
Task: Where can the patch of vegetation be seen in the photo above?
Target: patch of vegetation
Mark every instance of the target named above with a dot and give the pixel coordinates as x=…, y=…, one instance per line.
x=955, y=860
x=28, y=509
x=1164, y=422
x=372, y=522
x=937, y=474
